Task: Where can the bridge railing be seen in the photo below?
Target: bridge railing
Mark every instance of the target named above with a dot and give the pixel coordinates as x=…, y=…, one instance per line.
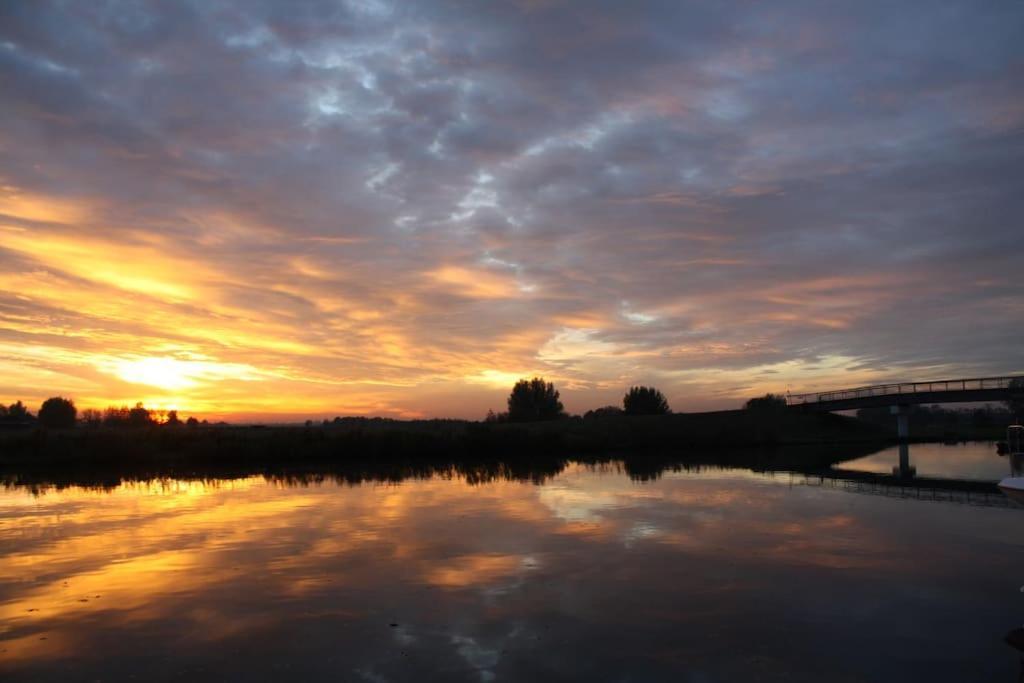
x=975, y=498
x=901, y=388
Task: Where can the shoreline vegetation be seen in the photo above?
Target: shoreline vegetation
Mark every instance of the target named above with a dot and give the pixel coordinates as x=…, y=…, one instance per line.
x=40, y=477
x=535, y=425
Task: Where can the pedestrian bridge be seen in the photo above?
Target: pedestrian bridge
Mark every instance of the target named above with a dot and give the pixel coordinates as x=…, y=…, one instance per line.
x=913, y=393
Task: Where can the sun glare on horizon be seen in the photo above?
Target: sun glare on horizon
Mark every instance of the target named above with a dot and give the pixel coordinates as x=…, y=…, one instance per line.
x=163, y=373
x=174, y=374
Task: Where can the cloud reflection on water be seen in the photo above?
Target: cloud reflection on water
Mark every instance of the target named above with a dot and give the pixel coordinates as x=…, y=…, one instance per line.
x=590, y=574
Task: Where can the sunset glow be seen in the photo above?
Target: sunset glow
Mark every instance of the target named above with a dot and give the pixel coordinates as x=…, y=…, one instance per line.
x=175, y=375
x=511, y=340
x=400, y=209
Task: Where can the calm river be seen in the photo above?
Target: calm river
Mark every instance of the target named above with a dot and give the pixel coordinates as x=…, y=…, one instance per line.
x=585, y=573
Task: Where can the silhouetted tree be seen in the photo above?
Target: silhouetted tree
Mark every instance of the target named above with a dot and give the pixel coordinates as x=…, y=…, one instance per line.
x=139, y=416
x=17, y=412
x=58, y=413
x=533, y=400
x=114, y=416
x=767, y=403
x=496, y=417
x=605, y=411
x=1016, y=403
x=192, y=422
x=645, y=401
x=3, y=411
x=172, y=419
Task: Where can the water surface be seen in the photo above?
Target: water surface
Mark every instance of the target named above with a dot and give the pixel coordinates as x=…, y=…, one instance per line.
x=711, y=575
x=974, y=460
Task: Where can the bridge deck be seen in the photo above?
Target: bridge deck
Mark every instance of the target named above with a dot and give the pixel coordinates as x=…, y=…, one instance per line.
x=913, y=393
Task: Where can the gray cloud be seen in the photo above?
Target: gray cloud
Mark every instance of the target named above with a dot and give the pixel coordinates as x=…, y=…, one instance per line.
x=414, y=194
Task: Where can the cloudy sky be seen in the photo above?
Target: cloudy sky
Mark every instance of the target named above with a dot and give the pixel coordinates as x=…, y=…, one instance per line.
x=317, y=208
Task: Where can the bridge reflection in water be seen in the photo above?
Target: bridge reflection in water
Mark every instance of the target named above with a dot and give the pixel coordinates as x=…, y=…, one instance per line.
x=905, y=483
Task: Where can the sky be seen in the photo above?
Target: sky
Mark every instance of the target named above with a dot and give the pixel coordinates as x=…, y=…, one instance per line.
x=259, y=210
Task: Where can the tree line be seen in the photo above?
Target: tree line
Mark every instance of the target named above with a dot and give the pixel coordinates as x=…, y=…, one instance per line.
x=59, y=412
x=531, y=400
x=534, y=400
x=987, y=415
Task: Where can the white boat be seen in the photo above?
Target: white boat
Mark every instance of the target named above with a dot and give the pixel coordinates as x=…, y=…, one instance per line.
x=1013, y=487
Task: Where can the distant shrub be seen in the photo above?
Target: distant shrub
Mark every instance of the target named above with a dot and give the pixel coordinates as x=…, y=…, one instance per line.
x=140, y=416
x=767, y=403
x=114, y=416
x=645, y=401
x=17, y=412
x=58, y=413
x=123, y=416
x=605, y=411
x=533, y=400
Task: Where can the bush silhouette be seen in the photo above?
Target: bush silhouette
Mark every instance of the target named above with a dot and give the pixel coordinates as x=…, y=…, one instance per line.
x=645, y=401
x=604, y=411
x=139, y=416
x=17, y=412
x=533, y=400
x=767, y=403
x=58, y=413
x=115, y=417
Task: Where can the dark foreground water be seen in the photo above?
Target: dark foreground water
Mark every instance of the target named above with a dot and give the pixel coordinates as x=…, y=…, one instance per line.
x=717, y=575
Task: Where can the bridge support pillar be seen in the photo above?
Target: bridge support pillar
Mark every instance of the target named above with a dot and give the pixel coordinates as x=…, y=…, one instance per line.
x=905, y=470
x=902, y=414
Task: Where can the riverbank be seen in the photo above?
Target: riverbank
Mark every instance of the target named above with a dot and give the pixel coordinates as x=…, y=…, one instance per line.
x=350, y=438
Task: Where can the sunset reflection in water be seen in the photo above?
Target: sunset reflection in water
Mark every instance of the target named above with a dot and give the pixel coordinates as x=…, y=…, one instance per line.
x=693, y=576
